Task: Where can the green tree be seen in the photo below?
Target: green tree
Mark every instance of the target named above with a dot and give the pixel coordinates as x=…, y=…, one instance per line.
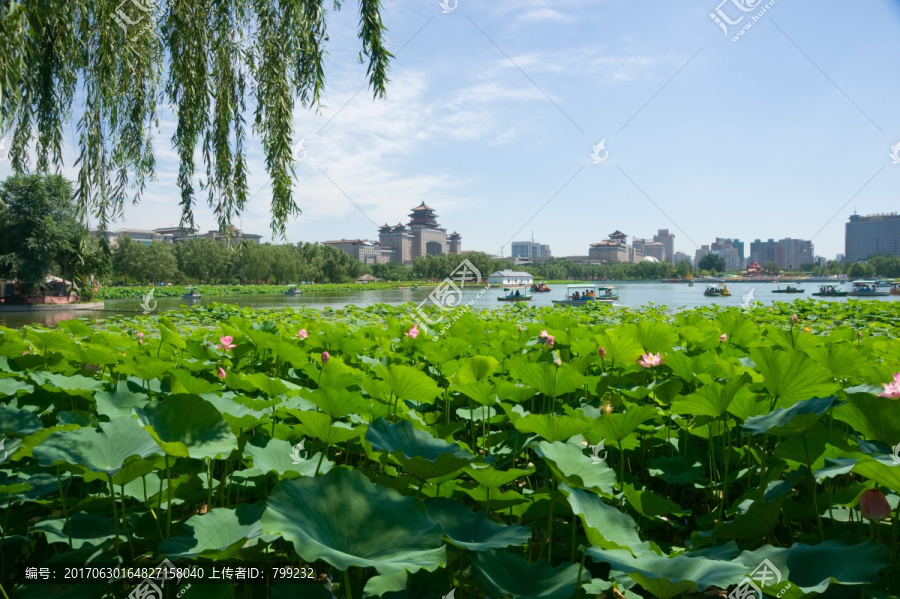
x=40, y=233
x=78, y=61
x=771, y=268
x=712, y=262
x=203, y=260
x=683, y=269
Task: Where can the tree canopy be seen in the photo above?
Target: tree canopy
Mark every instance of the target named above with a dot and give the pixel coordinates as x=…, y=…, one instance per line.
x=107, y=65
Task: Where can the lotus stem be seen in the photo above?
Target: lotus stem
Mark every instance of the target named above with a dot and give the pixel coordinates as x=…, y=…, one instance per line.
x=65, y=509
x=321, y=457
x=112, y=497
x=168, y=499
x=347, y=594
x=209, y=479
x=815, y=498
x=578, y=580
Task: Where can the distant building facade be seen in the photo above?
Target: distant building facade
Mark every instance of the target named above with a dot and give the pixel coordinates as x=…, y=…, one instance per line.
x=682, y=257
x=510, y=277
x=423, y=236
x=871, y=235
x=367, y=252
x=614, y=250
x=787, y=253
x=668, y=240
x=657, y=250
x=530, y=250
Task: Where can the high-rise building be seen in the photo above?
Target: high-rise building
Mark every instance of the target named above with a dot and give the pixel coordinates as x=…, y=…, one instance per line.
x=791, y=254
x=530, y=250
x=733, y=254
x=682, y=257
x=612, y=250
x=668, y=240
x=763, y=251
x=872, y=235
x=700, y=254
x=657, y=250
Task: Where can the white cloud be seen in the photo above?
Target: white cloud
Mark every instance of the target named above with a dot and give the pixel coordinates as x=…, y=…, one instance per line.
x=504, y=138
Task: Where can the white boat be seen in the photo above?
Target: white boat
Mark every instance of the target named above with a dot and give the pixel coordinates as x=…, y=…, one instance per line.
x=515, y=293
x=580, y=295
x=293, y=290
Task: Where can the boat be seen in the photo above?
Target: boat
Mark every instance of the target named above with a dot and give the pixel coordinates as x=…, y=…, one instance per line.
x=539, y=287
x=293, y=290
x=515, y=293
x=788, y=289
x=830, y=291
x=895, y=288
x=580, y=295
x=717, y=290
x=866, y=289
x=412, y=287
x=191, y=293
x=690, y=283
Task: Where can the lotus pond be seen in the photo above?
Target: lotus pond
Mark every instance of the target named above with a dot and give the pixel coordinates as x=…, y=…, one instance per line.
x=528, y=453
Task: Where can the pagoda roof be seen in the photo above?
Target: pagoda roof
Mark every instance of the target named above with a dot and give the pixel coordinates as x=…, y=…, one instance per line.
x=422, y=207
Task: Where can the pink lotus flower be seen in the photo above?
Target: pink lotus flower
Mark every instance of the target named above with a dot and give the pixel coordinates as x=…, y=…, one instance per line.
x=140, y=342
x=650, y=360
x=302, y=333
x=891, y=389
x=601, y=352
x=549, y=340
x=226, y=343
x=874, y=505
x=521, y=328
x=544, y=334
x=220, y=372
x=140, y=335
x=558, y=361
x=413, y=332
x=25, y=353
x=723, y=337
x=325, y=357
x=794, y=318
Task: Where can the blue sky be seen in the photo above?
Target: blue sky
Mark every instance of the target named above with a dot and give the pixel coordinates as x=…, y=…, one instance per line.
x=493, y=109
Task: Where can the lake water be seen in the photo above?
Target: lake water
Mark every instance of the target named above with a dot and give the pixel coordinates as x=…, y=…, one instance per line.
x=632, y=294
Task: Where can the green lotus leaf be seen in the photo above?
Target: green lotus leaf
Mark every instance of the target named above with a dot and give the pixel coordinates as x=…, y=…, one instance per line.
x=676, y=470
x=49, y=341
x=481, y=392
x=88, y=353
x=551, y=380
x=18, y=422
x=337, y=403
x=489, y=477
x=170, y=336
x=268, y=386
x=408, y=383
x=794, y=421
x=344, y=520
x=569, y=465
x=814, y=568
x=184, y=383
x=85, y=528
x=605, y=526
x=475, y=369
x=790, y=375
x=552, y=427
x=875, y=418
x=713, y=399
x=649, y=504
x=74, y=384
x=601, y=588
x=420, y=454
x=118, y=403
x=474, y=530
x=218, y=534
x=236, y=412
x=504, y=574
x=668, y=577
x=754, y=520
x=653, y=336
x=10, y=386
x=319, y=425
x=275, y=455
x=883, y=471
x=615, y=428
x=620, y=348
x=188, y=426
x=102, y=449
x=145, y=368
x=842, y=360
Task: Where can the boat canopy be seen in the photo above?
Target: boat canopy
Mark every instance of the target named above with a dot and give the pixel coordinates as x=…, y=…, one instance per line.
x=579, y=286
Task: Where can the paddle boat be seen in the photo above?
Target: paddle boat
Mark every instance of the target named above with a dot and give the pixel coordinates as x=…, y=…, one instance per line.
x=191, y=293
x=717, y=290
x=830, y=291
x=580, y=295
x=539, y=287
x=293, y=290
x=895, y=288
x=866, y=289
x=515, y=293
x=787, y=289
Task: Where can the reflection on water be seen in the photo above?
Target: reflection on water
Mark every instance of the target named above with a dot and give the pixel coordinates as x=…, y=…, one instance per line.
x=630, y=294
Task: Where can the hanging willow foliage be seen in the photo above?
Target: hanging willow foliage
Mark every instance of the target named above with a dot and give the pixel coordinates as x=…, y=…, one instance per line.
x=110, y=63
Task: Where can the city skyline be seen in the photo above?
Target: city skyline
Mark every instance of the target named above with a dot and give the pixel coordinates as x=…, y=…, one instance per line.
x=504, y=120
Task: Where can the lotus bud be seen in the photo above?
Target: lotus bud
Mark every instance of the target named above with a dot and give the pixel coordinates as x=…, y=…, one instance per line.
x=325, y=357
x=601, y=352
x=723, y=337
x=794, y=318
x=220, y=372
x=874, y=505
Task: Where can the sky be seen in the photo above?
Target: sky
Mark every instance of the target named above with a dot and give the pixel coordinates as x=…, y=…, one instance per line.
x=494, y=109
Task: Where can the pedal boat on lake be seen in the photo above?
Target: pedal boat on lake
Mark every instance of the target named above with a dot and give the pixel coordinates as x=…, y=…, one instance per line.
x=540, y=287
x=191, y=293
x=515, y=293
x=293, y=290
x=895, y=288
x=717, y=290
x=580, y=295
x=788, y=289
x=830, y=291
x=866, y=289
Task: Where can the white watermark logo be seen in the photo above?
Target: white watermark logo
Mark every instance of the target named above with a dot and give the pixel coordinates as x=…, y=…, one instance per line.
x=450, y=595
x=765, y=575
x=298, y=152
x=3, y=453
x=295, y=452
x=148, y=589
x=895, y=153
x=149, y=304
x=895, y=455
x=747, y=300
x=596, y=154
x=448, y=295
x=722, y=18
x=448, y=5
x=4, y=151
x=122, y=18
x=595, y=452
